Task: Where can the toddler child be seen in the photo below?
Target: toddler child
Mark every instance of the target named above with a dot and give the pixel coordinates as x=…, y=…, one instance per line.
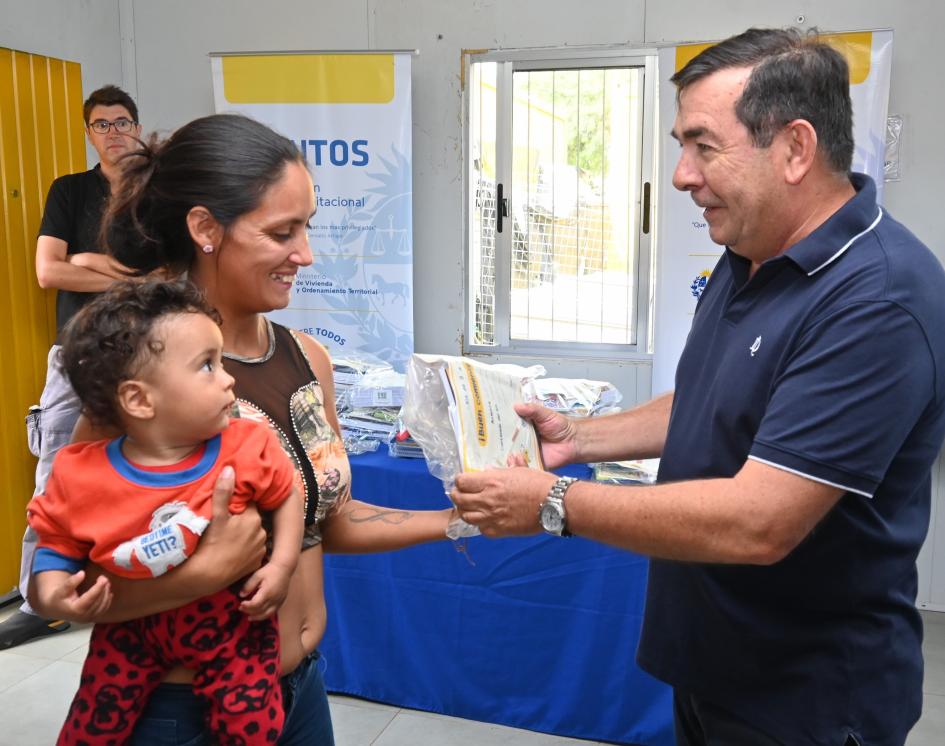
x=146, y=357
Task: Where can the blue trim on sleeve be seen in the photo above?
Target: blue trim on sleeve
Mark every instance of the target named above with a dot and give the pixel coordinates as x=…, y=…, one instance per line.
x=146, y=478
x=49, y=559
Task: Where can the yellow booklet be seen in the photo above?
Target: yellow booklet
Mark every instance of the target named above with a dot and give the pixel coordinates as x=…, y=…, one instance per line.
x=461, y=413
x=480, y=405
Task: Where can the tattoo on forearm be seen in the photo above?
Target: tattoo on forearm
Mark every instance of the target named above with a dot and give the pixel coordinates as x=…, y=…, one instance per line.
x=369, y=515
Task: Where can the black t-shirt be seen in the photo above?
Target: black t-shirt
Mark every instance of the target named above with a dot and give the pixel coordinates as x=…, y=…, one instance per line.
x=74, y=208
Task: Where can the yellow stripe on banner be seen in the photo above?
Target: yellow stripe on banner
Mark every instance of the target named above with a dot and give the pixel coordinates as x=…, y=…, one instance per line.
x=686, y=52
x=857, y=47
x=309, y=79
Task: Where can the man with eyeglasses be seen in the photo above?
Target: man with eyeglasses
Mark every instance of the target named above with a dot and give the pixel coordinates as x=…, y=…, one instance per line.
x=70, y=259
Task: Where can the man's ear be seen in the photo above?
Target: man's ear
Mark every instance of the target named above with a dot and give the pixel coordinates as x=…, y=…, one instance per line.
x=136, y=400
x=800, y=140
x=205, y=230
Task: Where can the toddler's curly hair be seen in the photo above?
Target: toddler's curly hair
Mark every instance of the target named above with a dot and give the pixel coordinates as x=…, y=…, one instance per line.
x=112, y=338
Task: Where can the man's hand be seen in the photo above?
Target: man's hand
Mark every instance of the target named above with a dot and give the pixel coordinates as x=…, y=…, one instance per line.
x=57, y=595
x=556, y=433
x=265, y=591
x=502, y=502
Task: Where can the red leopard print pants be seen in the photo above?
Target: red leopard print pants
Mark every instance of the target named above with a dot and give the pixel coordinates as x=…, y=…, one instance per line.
x=236, y=660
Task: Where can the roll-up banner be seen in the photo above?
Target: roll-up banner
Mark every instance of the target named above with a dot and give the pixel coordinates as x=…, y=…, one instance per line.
x=686, y=253
x=349, y=114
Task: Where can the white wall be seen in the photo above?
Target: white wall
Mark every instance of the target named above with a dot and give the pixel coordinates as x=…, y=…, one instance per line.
x=172, y=39
x=162, y=47
x=173, y=83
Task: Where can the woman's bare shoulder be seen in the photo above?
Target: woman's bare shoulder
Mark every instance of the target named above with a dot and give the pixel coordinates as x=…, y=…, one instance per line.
x=316, y=352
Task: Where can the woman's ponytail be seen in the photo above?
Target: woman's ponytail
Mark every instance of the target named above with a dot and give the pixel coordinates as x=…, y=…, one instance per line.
x=224, y=163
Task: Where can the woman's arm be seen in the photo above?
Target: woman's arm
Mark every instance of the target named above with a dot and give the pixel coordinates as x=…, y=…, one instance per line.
x=320, y=361
x=357, y=527
x=231, y=548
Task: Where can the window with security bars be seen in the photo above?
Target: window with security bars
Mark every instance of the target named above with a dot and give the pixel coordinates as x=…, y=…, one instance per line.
x=559, y=161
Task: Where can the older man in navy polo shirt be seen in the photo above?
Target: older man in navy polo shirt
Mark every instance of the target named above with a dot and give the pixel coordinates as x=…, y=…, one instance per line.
x=797, y=446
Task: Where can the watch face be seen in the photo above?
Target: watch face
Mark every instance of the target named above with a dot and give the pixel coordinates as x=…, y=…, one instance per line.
x=552, y=518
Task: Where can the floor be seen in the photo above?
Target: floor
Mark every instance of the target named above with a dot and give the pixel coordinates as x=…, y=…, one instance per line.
x=37, y=681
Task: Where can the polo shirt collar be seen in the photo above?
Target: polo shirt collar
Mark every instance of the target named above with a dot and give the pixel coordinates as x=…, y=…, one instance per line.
x=841, y=230
x=834, y=236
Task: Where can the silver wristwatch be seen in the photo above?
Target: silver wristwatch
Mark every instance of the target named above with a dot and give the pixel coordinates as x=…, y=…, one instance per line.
x=551, y=514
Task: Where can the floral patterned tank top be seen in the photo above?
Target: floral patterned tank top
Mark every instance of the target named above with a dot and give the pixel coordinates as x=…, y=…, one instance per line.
x=280, y=389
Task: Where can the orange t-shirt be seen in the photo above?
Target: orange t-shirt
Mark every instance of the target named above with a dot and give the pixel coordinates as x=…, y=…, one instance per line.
x=139, y=522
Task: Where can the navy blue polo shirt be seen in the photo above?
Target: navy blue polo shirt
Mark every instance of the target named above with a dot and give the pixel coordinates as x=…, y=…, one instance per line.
x=829, y=363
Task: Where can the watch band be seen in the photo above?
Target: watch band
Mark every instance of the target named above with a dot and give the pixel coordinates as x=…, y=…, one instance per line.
x=556, y=499
x=560, y=487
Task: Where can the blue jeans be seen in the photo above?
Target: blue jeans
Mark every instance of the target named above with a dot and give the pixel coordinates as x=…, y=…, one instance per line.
x=174, y=716
x=307, y=717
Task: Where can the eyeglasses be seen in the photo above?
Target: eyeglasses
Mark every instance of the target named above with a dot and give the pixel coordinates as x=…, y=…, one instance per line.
x=124, y=126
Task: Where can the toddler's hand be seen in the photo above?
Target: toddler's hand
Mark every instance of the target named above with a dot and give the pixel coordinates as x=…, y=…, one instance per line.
x=264, y=591
x=62, y=597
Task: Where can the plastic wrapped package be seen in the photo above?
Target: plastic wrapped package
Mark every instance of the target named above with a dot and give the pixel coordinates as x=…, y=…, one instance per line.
x=400, y=444
x=461, y=414
x=353, y=365
x=349, y=369
x=356, y=442
x=379, y=388
x=574, y=396
x=638, y=471
x=425, y=400
x=520, y=371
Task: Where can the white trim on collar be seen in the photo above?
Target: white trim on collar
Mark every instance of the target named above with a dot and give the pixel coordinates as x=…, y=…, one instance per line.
x=848, y=243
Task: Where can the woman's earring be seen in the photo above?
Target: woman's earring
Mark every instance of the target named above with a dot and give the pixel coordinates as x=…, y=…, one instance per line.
x=207, y=248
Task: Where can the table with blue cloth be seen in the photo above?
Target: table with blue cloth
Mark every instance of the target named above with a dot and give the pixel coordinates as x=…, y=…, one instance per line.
x=537, y=632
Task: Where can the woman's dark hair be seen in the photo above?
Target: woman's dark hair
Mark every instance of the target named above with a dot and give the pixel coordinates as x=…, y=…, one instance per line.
x=223, y=162
x=112, y=338
x=794, y=76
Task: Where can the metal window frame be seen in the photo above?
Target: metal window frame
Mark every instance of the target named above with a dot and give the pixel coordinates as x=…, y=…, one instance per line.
x=510, y=61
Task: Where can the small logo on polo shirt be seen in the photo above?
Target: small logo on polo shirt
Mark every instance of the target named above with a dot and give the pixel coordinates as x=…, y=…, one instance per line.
x=755, y=345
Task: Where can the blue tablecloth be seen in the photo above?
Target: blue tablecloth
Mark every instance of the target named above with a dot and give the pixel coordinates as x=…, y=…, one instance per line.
x=536, y=633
